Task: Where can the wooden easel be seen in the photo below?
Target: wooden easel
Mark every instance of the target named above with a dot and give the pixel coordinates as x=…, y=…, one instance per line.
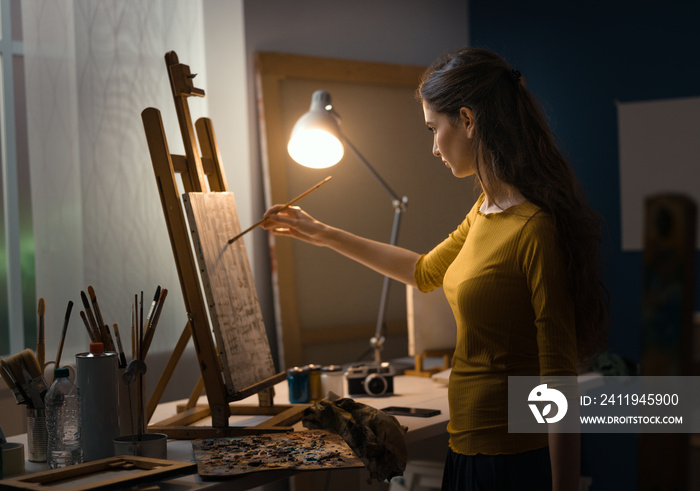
x=196, y=172
x=419, y=369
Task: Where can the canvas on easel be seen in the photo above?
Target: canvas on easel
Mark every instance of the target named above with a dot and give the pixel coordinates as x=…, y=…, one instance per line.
x=432, y=330
x=228, y=284
x=215, y=278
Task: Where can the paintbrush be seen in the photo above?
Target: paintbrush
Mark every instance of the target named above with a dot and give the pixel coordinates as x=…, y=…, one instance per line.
x=95, y=306
x=30, y=384
x=91, y=318
x=41, y=335
x=312, y=188
x=69, y=309
x=140, y=327
x=9, y=378
x=122, y=358
x=109, y=346
x=93, y=339
x=27, y=377
x=134, y=354
x=154, y=322
x=152, y=309
x=102, y=328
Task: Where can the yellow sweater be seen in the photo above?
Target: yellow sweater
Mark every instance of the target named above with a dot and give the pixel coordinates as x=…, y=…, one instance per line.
x=503, y=276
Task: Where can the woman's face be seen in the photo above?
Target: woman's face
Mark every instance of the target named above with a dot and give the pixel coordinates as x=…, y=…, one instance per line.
x=454, y=144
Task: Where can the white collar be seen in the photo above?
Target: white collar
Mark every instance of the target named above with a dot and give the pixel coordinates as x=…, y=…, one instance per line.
x=488, y=207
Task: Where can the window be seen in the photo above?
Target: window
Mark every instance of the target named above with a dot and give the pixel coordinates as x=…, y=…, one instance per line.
x=18, y=317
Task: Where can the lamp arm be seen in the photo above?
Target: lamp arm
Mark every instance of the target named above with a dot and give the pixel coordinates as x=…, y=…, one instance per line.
x=377, y=342
x=369, y=167
x=399, y=203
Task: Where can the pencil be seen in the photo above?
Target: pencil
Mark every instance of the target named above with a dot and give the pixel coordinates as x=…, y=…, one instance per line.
x=312, y=188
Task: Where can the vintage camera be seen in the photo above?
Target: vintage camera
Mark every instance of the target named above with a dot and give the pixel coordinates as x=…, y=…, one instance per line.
x=371, y=380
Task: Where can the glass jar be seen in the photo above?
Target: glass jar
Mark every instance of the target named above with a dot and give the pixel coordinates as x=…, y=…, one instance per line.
x=333, y=380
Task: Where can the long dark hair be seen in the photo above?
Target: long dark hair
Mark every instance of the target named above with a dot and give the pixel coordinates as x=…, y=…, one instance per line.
x=517, y=147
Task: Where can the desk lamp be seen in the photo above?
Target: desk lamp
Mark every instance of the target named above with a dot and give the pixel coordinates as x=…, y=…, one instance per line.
x=317, y=142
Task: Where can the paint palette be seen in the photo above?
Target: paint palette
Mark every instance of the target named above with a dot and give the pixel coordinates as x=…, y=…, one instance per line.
x=218, y=458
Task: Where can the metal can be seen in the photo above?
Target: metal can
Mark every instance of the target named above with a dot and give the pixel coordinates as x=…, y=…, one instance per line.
x=315, y=389
x=298, y=382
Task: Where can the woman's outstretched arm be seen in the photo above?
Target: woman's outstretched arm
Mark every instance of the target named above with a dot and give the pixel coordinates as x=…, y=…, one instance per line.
x=393, y=261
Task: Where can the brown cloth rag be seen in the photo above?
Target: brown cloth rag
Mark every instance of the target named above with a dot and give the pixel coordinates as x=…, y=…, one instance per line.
x=376, y=437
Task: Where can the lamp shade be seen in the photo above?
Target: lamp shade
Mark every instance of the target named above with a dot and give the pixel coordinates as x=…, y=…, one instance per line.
x=315, y=139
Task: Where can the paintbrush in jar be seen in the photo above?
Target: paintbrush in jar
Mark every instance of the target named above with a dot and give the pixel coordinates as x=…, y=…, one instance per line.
x=27, y=377
x=95, y=306
x=88, y=328
x=92, y=322
x=41, y=335
x=122, y=358
x=153, y=323
x=69, y=309
x=9, y=378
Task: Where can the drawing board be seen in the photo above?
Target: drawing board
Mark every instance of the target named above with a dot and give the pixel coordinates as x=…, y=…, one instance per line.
x=229, y=287
x=431, y=323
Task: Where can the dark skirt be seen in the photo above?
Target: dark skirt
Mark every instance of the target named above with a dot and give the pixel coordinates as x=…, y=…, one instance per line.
x=527, y=471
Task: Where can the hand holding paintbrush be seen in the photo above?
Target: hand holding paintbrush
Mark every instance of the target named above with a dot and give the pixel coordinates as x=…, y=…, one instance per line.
x=287, y=205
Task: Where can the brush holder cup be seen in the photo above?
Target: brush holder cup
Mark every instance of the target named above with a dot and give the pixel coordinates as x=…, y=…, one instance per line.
x=37, y=438
x=12, y=461
x=99, y=398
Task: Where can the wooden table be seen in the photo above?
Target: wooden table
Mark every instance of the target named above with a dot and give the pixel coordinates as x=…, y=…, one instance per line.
x=426, y=437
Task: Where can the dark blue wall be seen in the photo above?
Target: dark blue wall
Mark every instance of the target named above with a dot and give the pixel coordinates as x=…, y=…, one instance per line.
x=579, y=58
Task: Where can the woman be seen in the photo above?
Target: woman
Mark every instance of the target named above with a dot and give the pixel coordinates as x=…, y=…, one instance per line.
x=520, y=272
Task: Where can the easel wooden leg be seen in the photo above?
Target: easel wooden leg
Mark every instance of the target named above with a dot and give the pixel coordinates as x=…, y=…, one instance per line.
x=419, y=369
x=196, y=393
x=266, y=397
x=168, y=371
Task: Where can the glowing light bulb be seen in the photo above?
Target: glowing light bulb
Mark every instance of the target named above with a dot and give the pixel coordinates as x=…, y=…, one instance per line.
x=315, y=148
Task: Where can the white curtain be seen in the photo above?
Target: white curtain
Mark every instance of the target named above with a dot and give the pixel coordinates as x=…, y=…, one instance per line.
x=92, y=66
